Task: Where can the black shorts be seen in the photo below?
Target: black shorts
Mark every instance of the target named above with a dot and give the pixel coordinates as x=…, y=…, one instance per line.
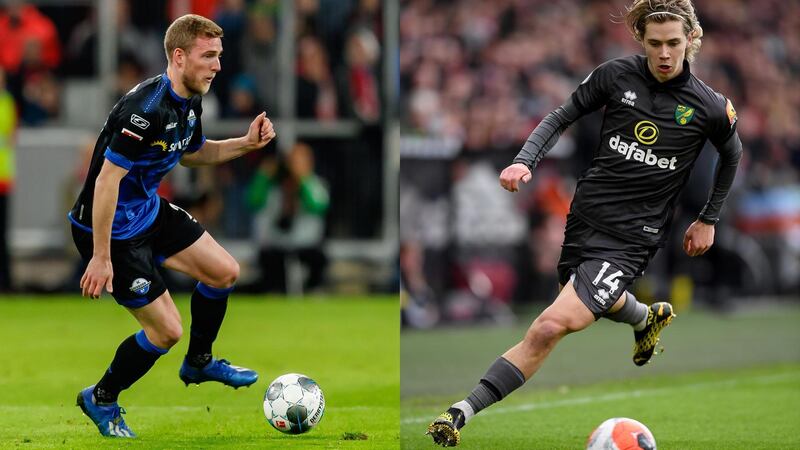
x=600, y=266
x=137, y=281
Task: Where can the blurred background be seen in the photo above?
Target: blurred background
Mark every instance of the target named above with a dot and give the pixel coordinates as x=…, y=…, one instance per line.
x=316, y=209
x=477, y=76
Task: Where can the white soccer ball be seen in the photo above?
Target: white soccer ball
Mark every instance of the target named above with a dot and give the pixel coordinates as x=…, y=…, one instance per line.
x=621, y=433
x=294, y=403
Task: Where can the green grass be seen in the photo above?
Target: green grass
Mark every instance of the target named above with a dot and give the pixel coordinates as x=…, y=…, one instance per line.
x=724, y=382
x=53, y=347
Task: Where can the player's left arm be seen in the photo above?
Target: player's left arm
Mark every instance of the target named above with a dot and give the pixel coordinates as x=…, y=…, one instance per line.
x=260, y=133
x=700, y=235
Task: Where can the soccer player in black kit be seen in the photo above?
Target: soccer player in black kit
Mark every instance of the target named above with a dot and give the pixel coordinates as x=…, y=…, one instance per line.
x=657, y=119
x=124, y=229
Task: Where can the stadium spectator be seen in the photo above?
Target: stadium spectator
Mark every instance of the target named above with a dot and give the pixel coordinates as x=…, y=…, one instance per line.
x=259, y=55
x=290, y=203
x=141, y=44
x=20, y=24
x=316, y=91
x=358, y=82
x=8, y=128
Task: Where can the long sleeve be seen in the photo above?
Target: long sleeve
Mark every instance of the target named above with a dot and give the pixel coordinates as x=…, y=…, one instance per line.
x=546, y=134
x=730, y=153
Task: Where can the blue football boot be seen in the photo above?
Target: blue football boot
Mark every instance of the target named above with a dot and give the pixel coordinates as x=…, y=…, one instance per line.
x=218, y=370
x=108, y=418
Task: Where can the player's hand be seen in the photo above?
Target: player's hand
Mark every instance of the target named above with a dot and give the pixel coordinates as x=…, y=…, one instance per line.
x=98, y=274
x=261, y=132
x=512, y=175
x=698, y=239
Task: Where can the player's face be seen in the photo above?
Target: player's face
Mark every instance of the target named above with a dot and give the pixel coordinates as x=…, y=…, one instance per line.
x=665, y=45
x=202, y=64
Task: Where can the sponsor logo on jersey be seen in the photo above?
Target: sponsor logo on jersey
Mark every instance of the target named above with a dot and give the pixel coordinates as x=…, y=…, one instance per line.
x=192, y=118
x=650, y=229
x=629, y=98
x=131, y=134
x=171, y=126
x=178, y=145
x=646, y=132
x=731, y=113
x=632, y=151
x=684, y=114
x=139, y=121
x=140, y=286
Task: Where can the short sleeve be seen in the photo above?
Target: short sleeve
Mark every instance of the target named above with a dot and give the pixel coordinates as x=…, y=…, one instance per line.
x=594, y=91
x=131, y=135
x=722, y=123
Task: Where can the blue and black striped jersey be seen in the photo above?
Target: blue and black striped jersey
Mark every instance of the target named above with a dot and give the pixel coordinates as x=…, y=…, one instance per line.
x=147, y=132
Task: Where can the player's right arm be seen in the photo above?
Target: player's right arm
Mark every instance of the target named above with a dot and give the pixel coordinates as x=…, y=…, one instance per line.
x=99, y=272
x=591, y=95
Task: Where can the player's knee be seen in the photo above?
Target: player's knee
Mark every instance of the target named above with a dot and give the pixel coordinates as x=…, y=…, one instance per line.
x=231, y=273
x=228, y=274
x=546, y=330
x=169, y=335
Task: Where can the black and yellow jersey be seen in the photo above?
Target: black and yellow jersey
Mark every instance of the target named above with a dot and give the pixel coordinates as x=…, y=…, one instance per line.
x=651, y=135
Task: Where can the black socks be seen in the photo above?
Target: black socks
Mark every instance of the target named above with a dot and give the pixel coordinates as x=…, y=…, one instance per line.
x=134, y=357
x=208, y=309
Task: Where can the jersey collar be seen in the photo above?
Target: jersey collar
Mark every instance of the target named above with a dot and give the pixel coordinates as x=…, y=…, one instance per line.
x=181, y=101
x=678, y=81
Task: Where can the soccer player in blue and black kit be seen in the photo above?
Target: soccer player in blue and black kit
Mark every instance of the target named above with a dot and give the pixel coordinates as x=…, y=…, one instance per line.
x=656, y=121
x=124, y=229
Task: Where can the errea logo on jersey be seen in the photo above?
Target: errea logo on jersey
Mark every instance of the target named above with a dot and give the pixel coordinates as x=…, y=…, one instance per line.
x=628, y=98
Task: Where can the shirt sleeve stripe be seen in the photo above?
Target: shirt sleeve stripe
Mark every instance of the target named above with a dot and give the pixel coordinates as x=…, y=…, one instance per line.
x=118, y=159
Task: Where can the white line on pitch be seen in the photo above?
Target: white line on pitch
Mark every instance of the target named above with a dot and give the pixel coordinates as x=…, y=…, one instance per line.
x=765, y=379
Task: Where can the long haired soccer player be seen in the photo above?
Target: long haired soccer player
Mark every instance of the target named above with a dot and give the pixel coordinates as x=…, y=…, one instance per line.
x=124, y=229
x=657, y=118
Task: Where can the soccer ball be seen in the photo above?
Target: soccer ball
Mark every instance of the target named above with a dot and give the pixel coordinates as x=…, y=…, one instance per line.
x=621, y=433
x=293, y=403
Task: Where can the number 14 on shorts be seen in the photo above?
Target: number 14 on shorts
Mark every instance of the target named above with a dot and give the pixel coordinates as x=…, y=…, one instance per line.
x=610, y=281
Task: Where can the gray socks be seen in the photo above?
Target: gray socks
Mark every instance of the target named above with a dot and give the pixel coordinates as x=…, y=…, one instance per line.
x=632, y=312
x=501, y=379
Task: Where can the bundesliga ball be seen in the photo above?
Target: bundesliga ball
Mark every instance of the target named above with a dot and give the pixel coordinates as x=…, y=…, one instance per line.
x=621, y=433
x=293, y=403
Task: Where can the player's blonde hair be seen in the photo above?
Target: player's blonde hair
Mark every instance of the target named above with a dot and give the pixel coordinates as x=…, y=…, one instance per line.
x=642, y=12
x=185, y=29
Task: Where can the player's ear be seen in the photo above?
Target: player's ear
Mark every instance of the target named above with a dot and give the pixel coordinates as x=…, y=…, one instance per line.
x=178, y=56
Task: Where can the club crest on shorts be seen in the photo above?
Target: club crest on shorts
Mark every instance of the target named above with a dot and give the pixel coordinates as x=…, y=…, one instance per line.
x=684, y=114
x=140, y=286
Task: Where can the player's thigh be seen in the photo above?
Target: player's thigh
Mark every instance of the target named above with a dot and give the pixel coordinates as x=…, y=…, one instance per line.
x=136, y=280
x=206, y=261
x=160, y=320
x=568, y=310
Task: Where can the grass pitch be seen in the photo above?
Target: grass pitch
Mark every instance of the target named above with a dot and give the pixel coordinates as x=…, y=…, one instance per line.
x=724, y=382
x=54, y=346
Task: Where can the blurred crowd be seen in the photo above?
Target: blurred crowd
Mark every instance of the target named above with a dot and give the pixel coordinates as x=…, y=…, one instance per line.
x=49, y=48
x=337, y=48
x=476, y=78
